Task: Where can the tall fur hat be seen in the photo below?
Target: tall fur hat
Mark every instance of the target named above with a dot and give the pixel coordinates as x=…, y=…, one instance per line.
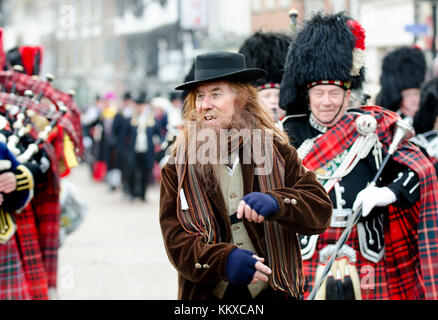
x=328, y=50
x=267, y=51
x=403, y=68
x=424, y=119
x=29, y=57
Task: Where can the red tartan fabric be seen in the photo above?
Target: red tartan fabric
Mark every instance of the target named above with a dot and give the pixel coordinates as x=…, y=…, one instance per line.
x=25, y=277
x=411, y=236
x=48, y=213
x=13, y=283
x=31, y=258
x=374, y=289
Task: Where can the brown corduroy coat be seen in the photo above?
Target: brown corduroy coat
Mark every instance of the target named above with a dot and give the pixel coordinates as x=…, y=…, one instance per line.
x=305, y=208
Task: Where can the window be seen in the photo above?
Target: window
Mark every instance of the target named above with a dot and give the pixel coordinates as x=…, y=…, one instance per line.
x=270, y=5
x=256, y=5
x=284, y=4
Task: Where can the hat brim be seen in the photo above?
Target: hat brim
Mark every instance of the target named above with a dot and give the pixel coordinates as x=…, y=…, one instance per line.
x=246, y=75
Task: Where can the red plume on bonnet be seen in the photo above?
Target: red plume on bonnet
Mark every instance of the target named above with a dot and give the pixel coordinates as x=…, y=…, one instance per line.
x=359, y=46
x=31, y=57
x=358, y=32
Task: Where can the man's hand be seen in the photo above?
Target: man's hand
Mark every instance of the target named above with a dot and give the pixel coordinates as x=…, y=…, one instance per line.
x=8, y=182
x=262, y=270
x=256, y=206
x=371, y=197
x=244, y=267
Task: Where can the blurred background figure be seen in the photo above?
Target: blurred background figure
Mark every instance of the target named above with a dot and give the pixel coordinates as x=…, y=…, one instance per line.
x=426, y=122
x=267, y=51
x=140, y=154
x=164, y=113
x=92, y=125
x=403, y=73
x=175, y=110
x=120, y=140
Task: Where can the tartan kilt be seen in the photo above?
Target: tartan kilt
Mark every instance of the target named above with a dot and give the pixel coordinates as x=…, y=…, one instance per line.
x=13, y=283
x=22, y=273
x=376, y=289
x=31, y=257
x=47, y=210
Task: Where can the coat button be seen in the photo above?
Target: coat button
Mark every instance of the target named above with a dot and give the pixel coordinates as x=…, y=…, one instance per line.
x=198, y=266
x=233, y=196
x=206, y=266
x=286, y=201
x=294, y=202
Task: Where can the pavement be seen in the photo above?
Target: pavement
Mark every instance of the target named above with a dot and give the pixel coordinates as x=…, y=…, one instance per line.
x=118, y=251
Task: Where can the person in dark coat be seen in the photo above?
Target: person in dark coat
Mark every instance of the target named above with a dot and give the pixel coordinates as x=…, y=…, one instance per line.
x=230, y=228
x=140, y=159
x=118, y=141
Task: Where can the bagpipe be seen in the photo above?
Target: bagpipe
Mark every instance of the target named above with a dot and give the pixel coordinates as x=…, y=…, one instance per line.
x=34, y=109
x=41, y=127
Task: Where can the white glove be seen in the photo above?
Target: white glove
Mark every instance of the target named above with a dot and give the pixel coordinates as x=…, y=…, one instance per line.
x=371, y=197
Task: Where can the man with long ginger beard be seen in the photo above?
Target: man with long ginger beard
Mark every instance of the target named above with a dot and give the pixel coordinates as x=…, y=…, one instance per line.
x=221, y=121
x=237, y=237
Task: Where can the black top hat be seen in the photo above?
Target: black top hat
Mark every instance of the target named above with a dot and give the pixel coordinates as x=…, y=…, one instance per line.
x=142, y=97
x=221, y=65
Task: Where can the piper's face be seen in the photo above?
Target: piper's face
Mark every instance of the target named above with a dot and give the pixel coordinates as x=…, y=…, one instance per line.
x=325, y=102
x=269, y=99
x=215, y=104
x=410, y=101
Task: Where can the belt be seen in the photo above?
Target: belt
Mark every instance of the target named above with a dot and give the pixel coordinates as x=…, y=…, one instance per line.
x=340, y=218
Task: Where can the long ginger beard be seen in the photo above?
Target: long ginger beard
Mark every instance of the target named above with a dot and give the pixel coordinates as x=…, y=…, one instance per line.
x=211, y=146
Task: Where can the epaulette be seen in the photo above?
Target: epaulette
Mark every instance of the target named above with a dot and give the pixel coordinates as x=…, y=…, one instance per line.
x=24, y=178
x=7, y=226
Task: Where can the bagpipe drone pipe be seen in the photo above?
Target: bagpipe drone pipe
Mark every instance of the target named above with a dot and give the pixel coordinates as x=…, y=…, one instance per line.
x=41, y=126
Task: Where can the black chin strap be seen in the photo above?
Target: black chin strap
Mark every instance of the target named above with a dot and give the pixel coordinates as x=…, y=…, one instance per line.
x=334, y=117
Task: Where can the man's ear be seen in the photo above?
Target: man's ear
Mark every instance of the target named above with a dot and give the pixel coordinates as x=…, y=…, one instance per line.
x=347, y=97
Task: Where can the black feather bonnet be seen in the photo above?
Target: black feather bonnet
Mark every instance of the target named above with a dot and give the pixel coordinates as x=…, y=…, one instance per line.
x=403, y=68
x=329, y=49
x=267, y=51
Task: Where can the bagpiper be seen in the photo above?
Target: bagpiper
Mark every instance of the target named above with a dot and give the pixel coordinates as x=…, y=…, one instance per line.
x=391, y=252
x=403, y=73
x=267, y=51
x=41, y=129
x=426, y=122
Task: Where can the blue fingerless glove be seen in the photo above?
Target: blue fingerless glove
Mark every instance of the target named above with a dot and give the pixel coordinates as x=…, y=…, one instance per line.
x=241, y=266
x=262, y=203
